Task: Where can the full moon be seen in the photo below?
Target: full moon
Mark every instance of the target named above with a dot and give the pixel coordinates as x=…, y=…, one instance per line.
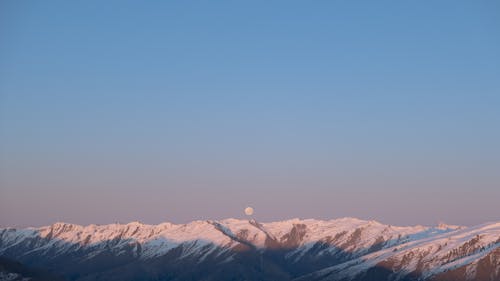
x=248, y=211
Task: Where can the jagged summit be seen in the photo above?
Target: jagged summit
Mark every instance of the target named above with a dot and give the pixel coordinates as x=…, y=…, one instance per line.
x=342, y=220
x=297, y=248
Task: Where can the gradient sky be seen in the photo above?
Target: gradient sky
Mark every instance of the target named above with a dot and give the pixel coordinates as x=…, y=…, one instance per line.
x=181, y=110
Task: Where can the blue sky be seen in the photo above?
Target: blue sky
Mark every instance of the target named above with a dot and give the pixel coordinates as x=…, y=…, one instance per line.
x=179, y=110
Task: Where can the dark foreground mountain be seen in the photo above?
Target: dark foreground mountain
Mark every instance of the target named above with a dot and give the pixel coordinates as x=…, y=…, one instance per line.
x=14, y=271
x=344, y=249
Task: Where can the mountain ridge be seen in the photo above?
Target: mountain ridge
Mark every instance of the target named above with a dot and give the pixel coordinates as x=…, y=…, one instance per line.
x=281, y=250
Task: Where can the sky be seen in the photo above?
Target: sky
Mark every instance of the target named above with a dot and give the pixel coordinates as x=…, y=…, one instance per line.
x=176, y=111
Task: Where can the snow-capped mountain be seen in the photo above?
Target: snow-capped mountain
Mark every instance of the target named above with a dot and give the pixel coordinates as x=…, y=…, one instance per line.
x=231, y=249
x=466, y=254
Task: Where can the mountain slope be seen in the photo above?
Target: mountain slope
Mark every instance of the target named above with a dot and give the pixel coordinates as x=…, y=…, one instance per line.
x=234, y=249
x=11, y=270
x=466, y=254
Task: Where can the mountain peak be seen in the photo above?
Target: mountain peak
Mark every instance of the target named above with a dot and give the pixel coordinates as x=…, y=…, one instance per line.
x=303, y=248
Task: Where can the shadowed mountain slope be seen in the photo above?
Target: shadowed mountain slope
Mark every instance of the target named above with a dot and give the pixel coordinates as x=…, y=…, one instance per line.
x=231, y=249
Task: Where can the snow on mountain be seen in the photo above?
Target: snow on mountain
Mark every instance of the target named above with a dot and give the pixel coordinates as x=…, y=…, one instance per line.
x=339, y=249
x=347, y=234
x=426, y=257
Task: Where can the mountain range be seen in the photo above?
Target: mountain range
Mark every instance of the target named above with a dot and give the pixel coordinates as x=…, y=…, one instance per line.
x=346, y=249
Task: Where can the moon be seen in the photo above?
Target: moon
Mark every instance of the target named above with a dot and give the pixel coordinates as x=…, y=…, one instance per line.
x=248, y=211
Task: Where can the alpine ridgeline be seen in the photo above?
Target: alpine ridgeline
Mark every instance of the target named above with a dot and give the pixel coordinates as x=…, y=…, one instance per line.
x=346, y=249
